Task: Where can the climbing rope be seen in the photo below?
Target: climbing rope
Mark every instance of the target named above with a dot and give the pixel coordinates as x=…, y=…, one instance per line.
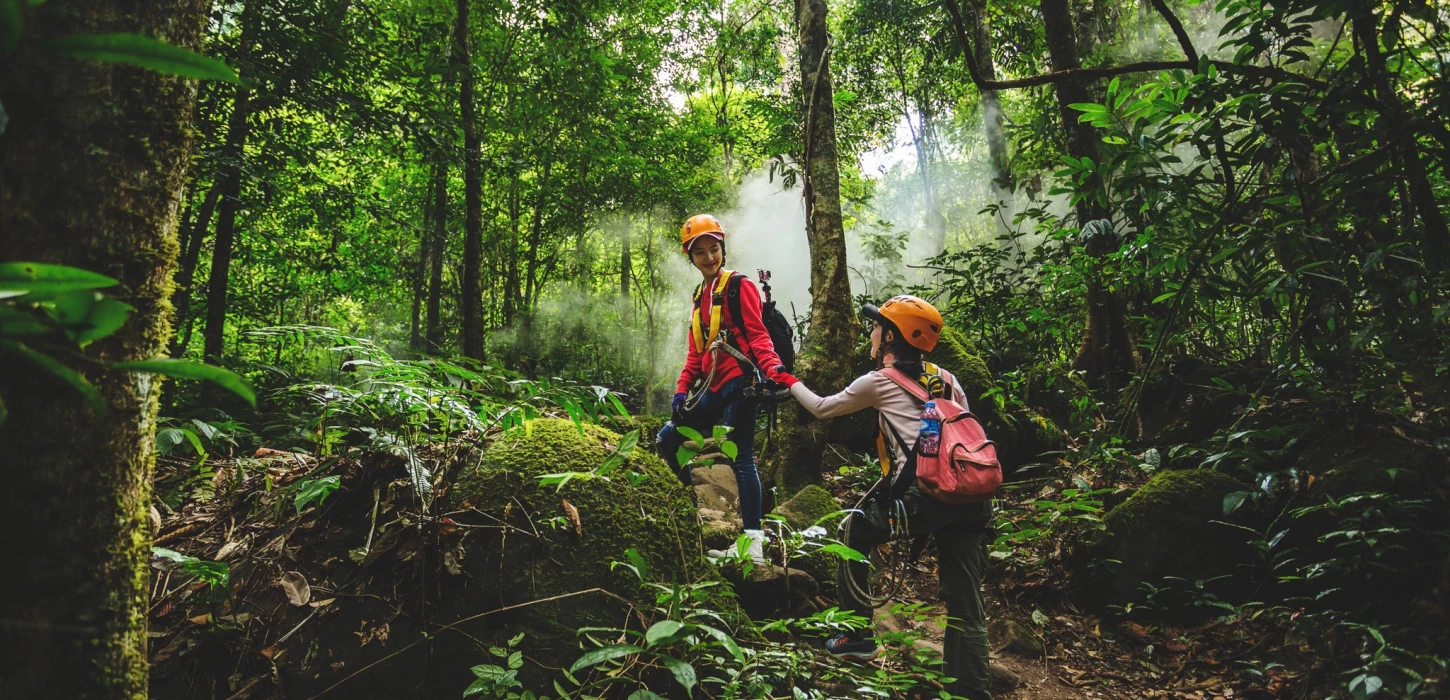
x=900, y=525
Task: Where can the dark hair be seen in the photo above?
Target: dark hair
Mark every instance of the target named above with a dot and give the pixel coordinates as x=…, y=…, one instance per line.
x=908, y=356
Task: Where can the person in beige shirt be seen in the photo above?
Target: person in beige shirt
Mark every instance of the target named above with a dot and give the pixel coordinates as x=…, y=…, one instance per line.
x=905, y=328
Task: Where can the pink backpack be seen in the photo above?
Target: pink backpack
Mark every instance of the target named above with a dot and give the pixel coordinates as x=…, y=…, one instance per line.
x=965, y=469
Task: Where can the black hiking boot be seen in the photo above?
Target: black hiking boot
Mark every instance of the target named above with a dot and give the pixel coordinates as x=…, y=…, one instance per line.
x=853, y=646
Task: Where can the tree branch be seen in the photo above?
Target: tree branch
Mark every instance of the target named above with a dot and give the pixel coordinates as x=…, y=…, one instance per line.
x=1178, y=31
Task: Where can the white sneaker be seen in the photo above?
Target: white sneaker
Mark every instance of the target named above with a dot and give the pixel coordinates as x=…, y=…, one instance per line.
x=757, y=545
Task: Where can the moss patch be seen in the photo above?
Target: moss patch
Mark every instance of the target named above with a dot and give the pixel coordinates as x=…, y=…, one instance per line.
x=1164, y=529
x=655, y=518
x=806, y=507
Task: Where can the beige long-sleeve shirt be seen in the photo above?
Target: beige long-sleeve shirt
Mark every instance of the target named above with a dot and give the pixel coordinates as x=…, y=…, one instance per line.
x=898, y=408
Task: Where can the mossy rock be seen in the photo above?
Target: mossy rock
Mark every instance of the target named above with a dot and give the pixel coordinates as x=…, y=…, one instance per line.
x=647, y=424
x=656, y=519
x=807, y=506
x=1166, y=528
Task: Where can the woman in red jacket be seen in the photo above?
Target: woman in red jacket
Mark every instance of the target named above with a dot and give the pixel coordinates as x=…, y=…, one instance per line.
x=725, y=325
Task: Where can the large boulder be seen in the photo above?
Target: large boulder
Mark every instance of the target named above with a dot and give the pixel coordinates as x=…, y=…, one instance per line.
x=602, y=519
x=807, y=507
x=1166, y=528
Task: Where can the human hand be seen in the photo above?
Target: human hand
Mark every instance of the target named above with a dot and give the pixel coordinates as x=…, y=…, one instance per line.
x=679, y=403
x=778, y=374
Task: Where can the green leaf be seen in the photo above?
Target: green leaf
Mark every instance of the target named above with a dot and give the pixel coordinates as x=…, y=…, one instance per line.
x=16, y=322
x=685, y=455
x=691, y=434
x=11, y=25
x=599, y=656
x=42, y=279
x=637, y=561
x=1231, y=502
x=730, y=449
x=145, y=52
x=662, y=631
x=315, y=491
x=1040, y=618
x=188, y=369
x=644, y=695
x=725, y=641
x=1365, y=686
x=66, y=374
x=843, y=552
x=684, y=672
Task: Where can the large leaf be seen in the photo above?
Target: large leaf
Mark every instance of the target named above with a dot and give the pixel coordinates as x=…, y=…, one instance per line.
x=684, y=672
x=145, y=52
x=187, y=369
x=662, y=631
x=66, y=374
x=599, y=656
x=40, y=279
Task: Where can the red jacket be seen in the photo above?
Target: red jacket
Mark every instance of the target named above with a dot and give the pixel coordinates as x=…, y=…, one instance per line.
x=756, y=345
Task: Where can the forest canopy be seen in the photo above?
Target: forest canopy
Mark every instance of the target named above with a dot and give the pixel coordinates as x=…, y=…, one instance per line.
x=1191, y=259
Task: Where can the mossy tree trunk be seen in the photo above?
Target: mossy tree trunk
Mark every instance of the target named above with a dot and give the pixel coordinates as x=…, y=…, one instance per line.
x=1108, y=353
x=91, y=172
x=825, y=359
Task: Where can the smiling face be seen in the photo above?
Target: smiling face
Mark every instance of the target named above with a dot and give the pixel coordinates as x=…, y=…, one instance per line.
x=707, y=256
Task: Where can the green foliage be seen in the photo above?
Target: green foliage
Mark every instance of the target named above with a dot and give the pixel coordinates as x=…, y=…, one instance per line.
x=314, y=491
x=58, y=312
x=144, y=52
x=215, y=574
x=495, y=682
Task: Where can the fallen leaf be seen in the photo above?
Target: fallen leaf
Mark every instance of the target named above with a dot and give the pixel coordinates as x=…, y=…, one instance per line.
x=155, y=520
x=199, y=619
x=164, y=610
x=573, y=514
x=269, y=652
x=296, y=588
x=322, y=603
x=269, y=452
x=229, y=549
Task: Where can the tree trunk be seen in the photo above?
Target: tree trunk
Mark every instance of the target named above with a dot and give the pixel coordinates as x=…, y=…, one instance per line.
x=186, y=272
x=435, y=254
x=626, y=351
x=221, y=256
x=825, y=360
x=91, y=173
x=471, y=303
x=1108, y=352
x=420, y=270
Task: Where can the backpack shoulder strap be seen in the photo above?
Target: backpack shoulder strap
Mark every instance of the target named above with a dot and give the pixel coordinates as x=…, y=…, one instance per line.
x=732, y=300
x=911, y=386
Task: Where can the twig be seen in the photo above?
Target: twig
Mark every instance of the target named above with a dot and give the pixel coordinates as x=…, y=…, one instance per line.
x=471, y=618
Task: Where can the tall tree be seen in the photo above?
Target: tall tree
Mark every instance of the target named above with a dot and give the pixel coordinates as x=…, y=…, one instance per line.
x=91, y=173
x=233, y=153
x=471, y=303
x=992, y=116
x=1108, y=352
x=826, y=357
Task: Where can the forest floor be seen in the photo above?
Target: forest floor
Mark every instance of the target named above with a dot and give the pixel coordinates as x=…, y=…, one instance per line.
x=1054, y=651
x=1048, y=648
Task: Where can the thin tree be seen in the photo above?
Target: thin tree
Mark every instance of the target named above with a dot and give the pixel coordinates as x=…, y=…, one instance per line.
x=92, y=167
x=233, y=153
x=471, y=301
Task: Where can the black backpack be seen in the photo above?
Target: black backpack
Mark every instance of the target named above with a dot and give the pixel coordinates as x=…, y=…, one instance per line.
x=782, y=336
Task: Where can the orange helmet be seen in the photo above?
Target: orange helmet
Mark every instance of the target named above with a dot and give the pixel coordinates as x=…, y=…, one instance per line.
x=918, y=321
x=700, y=225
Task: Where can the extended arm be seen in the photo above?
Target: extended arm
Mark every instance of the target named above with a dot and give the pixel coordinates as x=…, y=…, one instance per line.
x=862, y=393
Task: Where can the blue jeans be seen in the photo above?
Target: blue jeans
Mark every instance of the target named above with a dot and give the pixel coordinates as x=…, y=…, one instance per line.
x=728, y=406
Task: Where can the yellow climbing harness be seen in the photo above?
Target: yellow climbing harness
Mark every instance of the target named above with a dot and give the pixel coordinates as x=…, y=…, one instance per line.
x=717, y=301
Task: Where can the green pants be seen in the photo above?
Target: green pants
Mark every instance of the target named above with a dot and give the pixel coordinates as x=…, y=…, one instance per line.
x=961, y=545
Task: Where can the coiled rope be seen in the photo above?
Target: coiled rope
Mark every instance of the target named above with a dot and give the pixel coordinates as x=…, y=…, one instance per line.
x=900, y=531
